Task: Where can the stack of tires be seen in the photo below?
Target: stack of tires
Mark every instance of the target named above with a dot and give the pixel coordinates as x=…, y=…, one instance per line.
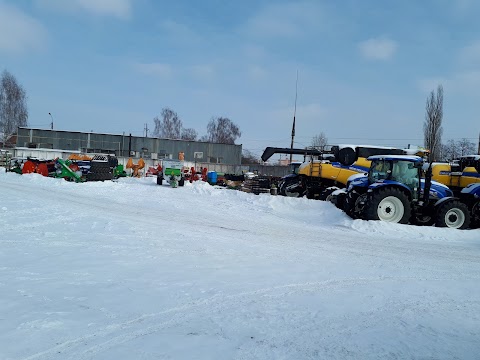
x=100, y=168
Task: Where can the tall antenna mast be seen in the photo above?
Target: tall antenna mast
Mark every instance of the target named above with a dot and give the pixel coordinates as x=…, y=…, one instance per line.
x=294, y=113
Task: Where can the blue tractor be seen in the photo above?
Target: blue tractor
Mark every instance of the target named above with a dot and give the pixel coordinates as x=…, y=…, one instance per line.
x=470, y=195
x=399, y=189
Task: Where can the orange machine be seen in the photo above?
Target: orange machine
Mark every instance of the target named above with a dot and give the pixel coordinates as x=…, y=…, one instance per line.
x=135, y=167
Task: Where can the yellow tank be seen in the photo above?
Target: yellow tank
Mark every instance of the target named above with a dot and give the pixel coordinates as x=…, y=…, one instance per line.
x=455, y=180
x=333, y=172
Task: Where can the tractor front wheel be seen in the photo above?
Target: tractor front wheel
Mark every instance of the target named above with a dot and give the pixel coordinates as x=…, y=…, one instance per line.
x=388, y=204
x=453, y=214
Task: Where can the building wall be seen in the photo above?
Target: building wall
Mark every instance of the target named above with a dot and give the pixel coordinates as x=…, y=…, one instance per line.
x=129, y=146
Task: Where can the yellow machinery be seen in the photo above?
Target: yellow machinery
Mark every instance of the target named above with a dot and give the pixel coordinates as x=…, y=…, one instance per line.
x=328, y=169
x=458, y=176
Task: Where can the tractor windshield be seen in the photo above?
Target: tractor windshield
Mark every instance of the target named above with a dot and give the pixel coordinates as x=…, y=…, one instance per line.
x=379, y=170
x=406, y=173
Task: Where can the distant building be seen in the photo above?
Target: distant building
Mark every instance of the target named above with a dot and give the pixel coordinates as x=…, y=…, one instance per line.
x=129, y=146
x=9, y=143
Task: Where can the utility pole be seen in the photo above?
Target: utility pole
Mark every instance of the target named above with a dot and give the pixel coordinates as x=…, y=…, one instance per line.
x=478, y=150
x=146, y=130
x=51, y=124
x=294, y=113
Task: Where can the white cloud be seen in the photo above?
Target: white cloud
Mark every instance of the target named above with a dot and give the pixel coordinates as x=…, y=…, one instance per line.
x=470, y=55
x=285, y=20
x=378, y=49
x=255, y=52
x=19, y=32
x=464, y=82
x=180, y=32
x=118, y=8
x=204, y=72
x=257, y=72
x=154, y=69
x=309, y=114
x=427, y=85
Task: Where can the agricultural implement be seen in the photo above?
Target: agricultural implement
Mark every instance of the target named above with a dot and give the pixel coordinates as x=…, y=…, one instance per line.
x=57, y=168
x=173, y=171
x=135, y=167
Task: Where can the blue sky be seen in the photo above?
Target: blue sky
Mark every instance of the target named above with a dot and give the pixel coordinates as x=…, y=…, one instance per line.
x=365, y=67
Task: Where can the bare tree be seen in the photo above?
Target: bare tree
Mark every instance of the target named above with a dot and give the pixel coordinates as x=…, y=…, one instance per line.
x=13, y=106
x=450, y=150
x=189, y=134
x=222, y=130
x=249, y=158
x=466, y=147
x=432, y=127
x=168, y=126
x=320, y=140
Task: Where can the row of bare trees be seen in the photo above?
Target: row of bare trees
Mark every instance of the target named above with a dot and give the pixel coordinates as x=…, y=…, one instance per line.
x=432, y=131
x=454, y=149
x=219, y=129
x=13, y=106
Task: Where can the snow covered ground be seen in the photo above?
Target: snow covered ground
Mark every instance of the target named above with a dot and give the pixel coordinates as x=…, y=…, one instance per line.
x=133, y=270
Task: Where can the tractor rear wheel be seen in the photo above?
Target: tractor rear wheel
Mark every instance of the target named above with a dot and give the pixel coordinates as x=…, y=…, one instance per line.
x=388, y=204
x=293, y=188
x=475, y=219
x=325, y=194
x=453, y=214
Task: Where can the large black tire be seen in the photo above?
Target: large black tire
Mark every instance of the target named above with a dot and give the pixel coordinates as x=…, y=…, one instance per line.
x=326, y=193
x=347, y=156
x=99, y=167
x=349, y=203
x=281, y=187
x=388, y=204
x=340, y=201
x=453, y=214
x=475, y=218
x=100, y=171
x=112, y=161
x=181, y=182
x=289, y=188
x=92, y=177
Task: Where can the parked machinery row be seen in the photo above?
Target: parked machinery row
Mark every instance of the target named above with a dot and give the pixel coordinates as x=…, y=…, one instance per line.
x=444, y=194
x=327, y=169
x=77, y=168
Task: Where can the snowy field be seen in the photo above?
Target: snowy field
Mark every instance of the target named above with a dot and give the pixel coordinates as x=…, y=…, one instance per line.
x=133, y=270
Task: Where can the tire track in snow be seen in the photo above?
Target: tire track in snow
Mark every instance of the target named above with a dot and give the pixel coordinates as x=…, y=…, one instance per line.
x=119, y=333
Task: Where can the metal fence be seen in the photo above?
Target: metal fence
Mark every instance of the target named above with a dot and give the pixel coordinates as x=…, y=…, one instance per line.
x=127, y=145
